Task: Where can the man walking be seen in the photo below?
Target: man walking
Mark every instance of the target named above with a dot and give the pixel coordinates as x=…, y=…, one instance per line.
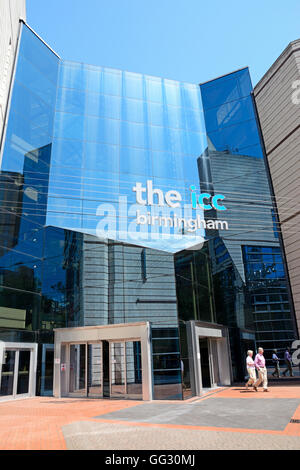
x=288, y=361
x=250, y=369
x=260, y=364
x=275, y=360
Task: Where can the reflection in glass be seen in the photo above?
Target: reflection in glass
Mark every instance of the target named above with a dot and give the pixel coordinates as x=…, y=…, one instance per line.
x=166, y=364
x=7, y=375
x=23, y=372
x=94, y=370
x=77, y=385
x=118, y=369
x=134, y=370
x=47, y=369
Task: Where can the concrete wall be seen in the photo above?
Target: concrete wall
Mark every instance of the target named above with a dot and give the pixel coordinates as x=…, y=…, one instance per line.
x=278, y=105
x=11, y=11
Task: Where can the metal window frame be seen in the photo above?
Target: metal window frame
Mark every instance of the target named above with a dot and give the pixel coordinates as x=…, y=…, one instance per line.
x=33, y=348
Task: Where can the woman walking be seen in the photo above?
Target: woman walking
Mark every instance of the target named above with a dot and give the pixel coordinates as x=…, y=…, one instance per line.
x=250, y=369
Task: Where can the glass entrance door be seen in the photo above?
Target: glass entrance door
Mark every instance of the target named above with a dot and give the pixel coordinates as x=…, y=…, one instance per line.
x=94, y=376
x=205, y=366
x=104, y=369
x=8, y=374
x=134, y=376
x=47, y=369
x=17, y=371
x=118, y=370
x=125, y=372
x=23, y=372
x=77, y=377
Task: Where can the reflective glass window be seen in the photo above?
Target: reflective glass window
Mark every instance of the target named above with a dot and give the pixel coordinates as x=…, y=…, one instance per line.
x=112, y=82
x=102, y=130
x=133, y=85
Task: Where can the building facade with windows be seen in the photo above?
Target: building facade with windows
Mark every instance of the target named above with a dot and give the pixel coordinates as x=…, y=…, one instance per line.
x=277, y=98
x=140, y=251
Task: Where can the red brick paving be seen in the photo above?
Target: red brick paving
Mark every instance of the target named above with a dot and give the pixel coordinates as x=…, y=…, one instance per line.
x=36, y=423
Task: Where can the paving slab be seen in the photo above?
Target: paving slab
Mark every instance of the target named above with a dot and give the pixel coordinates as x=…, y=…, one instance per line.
x=110, y=436
x=216, y=412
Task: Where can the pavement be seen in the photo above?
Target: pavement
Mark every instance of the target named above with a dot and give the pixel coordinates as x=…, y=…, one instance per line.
x=228, y=418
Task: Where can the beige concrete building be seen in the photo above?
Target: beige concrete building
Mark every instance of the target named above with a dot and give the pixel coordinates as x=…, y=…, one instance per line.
x=277, y=97
x=11, y=11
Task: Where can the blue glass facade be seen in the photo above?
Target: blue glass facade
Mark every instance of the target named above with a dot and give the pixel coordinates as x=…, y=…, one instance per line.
x=112, y=129
x=78, y=140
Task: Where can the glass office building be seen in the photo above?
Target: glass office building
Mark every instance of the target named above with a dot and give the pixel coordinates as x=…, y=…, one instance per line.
x=140, y=253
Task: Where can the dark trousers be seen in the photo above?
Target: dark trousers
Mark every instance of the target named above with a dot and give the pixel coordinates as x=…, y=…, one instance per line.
x=276, y=369
x=289, y=368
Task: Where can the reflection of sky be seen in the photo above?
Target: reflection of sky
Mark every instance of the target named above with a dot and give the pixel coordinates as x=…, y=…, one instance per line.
x=229, y=114
x=113, y=129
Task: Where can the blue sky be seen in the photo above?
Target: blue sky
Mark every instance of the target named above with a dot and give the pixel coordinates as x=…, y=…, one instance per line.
x=187, y=40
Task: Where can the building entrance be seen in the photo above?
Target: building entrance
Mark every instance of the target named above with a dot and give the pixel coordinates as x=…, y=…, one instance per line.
x=209, y=356
x=205, y=366
x=111, y=366
x=18, y=363
x=107, y=369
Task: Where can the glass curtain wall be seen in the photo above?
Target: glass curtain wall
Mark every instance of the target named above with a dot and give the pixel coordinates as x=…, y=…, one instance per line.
x=111, y=130
x=245, y=264
x=24, y=179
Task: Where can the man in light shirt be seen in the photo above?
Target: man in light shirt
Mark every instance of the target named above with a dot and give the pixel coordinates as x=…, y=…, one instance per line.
x=250, y=369
x=260, y=364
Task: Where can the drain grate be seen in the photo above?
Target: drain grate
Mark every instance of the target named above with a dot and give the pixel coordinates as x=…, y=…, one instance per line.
x=295, y=421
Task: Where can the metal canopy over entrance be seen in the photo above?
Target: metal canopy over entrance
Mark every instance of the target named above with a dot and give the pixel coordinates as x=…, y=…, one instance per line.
x=18, y=363
x=112, y=361
x=209, y=353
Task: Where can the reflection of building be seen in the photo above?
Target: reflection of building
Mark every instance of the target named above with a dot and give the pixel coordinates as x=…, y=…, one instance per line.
x=128, y=320
x=251, y=245
x=11, y=185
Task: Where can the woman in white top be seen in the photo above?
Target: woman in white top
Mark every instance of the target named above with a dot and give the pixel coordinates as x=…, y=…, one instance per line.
x=250, y=369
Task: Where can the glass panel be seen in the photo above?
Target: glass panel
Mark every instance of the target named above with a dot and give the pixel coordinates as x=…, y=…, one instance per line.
x=133, y=85
x=100, y=130
x=167, y=385
x=7, y=376
x=94, y=370
x=185, y=363
x=112, y=82
x=117, y=363
x=205, y=367
x=106, y=369
x=154, y=90
x=23, y=372
x=48, y=378
x=77, y=370
x=134, y=369
x=166, y=345
x=67, y=153
x=72, y=75
x=133, y=110
x=133, y=135
x=70, y=101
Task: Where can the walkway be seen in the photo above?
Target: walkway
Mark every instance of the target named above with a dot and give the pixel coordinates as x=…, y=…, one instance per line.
x=231, y=418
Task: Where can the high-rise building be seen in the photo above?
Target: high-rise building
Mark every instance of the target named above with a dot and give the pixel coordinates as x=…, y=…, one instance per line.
x=277, y=97
x=140, y=249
